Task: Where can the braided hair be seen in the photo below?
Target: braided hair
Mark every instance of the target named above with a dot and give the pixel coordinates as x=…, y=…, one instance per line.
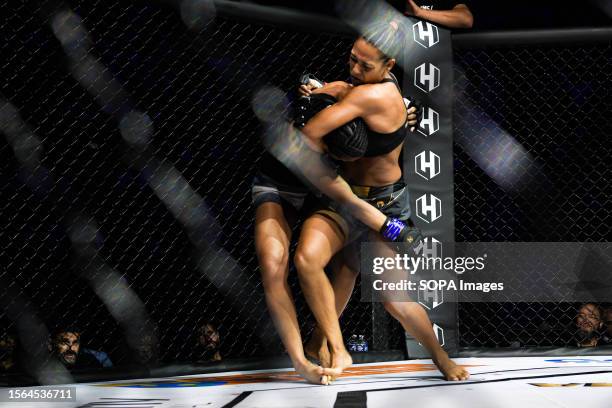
x=387, y=36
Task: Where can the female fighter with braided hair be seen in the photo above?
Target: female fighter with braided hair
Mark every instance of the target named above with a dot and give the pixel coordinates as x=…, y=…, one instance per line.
x=377, y=178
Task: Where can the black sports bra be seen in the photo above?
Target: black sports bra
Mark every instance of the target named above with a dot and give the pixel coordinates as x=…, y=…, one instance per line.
x=383, y=143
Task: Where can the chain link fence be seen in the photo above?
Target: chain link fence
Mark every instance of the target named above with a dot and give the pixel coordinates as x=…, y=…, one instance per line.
x=87, y=84
x=531, y=150
x=129, y=145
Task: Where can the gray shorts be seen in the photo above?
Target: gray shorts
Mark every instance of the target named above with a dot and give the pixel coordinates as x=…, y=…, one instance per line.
x=266, y=189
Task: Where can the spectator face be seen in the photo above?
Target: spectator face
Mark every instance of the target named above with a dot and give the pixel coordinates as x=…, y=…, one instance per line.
x=209, y=336
x=588, y=319
x=67, y=346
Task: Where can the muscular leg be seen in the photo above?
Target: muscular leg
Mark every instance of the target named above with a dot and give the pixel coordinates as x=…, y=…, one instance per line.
x=272, y=239
x=415, y=321
x=343, y=282
x=321, y=238
x=411, y=316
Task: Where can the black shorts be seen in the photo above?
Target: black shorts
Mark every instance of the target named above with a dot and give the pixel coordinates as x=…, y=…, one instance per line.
x=392, y=200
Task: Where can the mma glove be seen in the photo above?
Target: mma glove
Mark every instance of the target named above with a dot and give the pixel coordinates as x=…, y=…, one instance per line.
x=306, y=107
x=395, y=230
x=309, y=79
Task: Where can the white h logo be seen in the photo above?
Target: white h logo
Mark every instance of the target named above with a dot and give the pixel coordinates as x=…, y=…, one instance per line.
x=427, y=165
x=430, y=122
x=428, y=208
x=426, y=77
x=425, y=34
x=430, y=299
x=432, y=248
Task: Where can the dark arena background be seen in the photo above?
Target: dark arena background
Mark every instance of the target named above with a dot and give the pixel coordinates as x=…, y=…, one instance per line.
x=129, y=146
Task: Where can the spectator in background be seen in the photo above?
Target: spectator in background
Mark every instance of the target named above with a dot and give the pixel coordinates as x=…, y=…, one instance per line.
x=588, y=323
x=606, y=337
x=208, y=344
x=8, y=349
x=65, y=344
x=449, y=13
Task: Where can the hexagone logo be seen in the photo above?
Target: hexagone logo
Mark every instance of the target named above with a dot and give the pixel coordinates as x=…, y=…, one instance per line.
x=430, y=122
x=427, y=77
x=425, y=34
x=427, y=164
x=428, y=208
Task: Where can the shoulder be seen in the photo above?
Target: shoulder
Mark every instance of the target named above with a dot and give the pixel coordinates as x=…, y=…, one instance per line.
x=369, y=95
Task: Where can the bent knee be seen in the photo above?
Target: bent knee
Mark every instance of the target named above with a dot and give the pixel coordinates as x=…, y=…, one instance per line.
x=302, y=260
x=307, y=259
x=273, y=262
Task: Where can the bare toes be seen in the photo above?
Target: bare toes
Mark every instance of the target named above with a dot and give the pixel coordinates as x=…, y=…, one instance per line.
x=332, y=372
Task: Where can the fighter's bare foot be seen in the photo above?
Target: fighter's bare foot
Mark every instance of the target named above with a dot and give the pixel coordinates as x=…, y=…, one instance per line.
x=312, y=373
x=450, y=370
x=340, y=360
x=317, y=349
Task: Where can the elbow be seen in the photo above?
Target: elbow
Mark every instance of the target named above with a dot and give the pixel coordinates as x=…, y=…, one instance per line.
x=461, y=17
x=468, y=20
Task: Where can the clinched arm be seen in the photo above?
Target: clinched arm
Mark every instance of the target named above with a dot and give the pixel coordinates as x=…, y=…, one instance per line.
x=356, y=103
